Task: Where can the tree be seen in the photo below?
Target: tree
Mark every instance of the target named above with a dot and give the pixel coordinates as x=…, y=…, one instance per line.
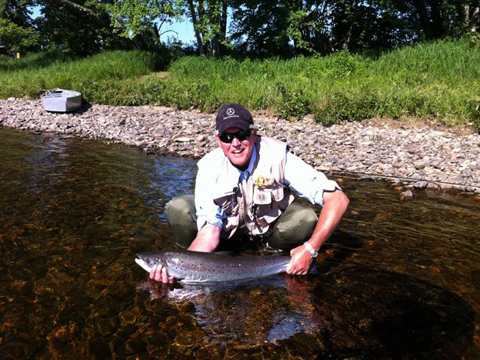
x=136, y=19
x=80, y=28
x=17, y=11
x=14, y=38
x=260, y=28
x=361, y=26
x=17, y=32
x=469, y=15
x=433, y=19
x=208, y=17
x=306, y=27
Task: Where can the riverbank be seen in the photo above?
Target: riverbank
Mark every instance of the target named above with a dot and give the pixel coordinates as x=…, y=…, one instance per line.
x=411, y=153
x=433, y=80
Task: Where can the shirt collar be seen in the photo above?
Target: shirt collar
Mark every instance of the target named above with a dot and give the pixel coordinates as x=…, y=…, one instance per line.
x=244, y=175
x=253, y=158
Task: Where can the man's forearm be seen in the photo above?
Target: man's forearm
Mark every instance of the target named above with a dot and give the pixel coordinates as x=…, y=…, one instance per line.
x=207, y=239
x=335, y=205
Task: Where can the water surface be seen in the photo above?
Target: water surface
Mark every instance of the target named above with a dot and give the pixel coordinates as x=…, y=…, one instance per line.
x=397, y=280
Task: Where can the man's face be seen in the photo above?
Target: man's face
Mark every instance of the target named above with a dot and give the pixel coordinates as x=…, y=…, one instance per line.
x=238, y=152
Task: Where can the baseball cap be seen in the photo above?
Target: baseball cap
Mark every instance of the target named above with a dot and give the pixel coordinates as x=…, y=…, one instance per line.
x=233, y=115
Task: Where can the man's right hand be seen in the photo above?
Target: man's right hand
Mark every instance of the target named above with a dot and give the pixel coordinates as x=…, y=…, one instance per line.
x=207, y=240
x=159, y=273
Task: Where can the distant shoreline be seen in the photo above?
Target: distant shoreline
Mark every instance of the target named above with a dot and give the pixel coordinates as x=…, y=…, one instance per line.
x=412, y=154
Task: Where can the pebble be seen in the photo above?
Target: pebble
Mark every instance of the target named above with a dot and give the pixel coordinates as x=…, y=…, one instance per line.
x=418, y=155
x=406, y=195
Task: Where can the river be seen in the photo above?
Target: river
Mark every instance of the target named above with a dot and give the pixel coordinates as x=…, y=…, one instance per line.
x=397, y=280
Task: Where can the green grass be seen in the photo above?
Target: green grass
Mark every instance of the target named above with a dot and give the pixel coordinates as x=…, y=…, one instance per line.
x=439, y=81
x=32, y=75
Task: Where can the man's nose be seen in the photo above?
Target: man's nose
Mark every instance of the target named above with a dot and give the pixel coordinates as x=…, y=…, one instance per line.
x=235, y=141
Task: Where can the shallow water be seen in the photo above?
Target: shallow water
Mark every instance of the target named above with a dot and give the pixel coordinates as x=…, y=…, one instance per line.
x=397, y=280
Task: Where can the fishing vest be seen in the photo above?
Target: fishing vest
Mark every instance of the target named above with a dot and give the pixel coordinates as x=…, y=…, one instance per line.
x=258, y=201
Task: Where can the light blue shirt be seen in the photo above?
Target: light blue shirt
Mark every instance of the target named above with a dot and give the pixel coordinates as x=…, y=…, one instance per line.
x=299, y=176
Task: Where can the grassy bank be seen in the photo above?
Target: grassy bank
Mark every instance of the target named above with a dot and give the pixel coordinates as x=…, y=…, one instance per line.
x=33, y=74
x=439, y=81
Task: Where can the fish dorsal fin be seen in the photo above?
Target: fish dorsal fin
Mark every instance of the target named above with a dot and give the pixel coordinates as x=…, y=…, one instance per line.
x=224, y=253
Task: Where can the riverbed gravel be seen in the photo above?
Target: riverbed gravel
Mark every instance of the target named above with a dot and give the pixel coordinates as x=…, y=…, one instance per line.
x=414, y=154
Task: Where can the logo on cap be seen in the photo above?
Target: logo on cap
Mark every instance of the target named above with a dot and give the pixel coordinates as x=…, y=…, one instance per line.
x=230, y=111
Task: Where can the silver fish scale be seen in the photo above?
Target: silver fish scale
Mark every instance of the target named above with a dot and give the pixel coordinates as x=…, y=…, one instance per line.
x=193, y=267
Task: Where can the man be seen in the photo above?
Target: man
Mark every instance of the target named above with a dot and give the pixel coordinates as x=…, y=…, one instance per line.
x=243, y=188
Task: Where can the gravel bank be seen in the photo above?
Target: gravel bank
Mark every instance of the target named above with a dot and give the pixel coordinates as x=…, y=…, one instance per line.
x=418, y=155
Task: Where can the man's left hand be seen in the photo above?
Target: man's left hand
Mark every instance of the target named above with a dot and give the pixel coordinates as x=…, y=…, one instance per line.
x=300, y=261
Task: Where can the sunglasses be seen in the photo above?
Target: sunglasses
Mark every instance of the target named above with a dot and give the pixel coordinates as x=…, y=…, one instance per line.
x=240, y=135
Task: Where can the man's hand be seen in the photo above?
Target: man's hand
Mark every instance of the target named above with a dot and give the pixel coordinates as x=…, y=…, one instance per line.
x=335, y=204
x=300, y=261
x=159, y=273
x=207, y=240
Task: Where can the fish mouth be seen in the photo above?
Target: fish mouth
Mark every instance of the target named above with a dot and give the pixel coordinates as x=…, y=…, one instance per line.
x=143, y=264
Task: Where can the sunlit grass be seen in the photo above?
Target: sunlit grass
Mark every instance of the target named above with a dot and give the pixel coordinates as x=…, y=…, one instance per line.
x=88, y=75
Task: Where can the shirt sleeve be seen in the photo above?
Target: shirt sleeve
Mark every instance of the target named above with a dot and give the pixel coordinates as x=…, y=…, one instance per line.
x=207, y=210
x=306, y=181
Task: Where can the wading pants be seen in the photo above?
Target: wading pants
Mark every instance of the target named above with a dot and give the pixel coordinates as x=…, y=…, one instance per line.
x=291, y=229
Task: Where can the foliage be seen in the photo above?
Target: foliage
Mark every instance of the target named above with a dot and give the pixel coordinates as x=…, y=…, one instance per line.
x=131, y=18
x=260, y=29
x=14, y=38
x=17, y=11
x=17, y=33
x=292, y=28
x=209, y=19
x=78, y=32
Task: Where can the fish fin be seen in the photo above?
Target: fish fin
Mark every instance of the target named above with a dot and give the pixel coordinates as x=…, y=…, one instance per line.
x=314, y=269
x=224, y=253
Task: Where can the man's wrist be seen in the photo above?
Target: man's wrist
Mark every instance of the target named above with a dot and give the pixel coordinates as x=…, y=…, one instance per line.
x=311, y=250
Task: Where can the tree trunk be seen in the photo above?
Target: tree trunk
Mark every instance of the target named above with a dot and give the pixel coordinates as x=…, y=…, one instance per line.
x=470, y=19
x=201, y=20
x=75, y=6
x=346, y=42
x=437, y=18
x=223, y=27
x=423, y=17
x=198, y=35
x=475, y=19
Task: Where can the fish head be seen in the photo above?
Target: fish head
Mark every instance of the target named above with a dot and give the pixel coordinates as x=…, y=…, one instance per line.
x=147, y=260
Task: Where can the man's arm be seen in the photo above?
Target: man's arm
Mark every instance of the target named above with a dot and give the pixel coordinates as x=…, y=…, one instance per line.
x=334, y=206
x=207, y=239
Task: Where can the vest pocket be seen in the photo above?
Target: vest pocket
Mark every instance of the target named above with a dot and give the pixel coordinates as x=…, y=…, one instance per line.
x=279, y=194
x=228, y=203
x=261, y=196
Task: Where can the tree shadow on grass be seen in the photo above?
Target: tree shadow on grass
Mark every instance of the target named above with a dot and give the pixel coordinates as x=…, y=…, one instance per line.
x=35, y=61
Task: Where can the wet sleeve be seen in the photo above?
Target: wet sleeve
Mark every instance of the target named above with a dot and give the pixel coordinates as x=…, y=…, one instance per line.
x=207, y=210
x=306, y=181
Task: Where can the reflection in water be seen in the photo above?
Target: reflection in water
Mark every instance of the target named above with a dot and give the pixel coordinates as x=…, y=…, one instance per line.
x=249, y=313
x=74, y=213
